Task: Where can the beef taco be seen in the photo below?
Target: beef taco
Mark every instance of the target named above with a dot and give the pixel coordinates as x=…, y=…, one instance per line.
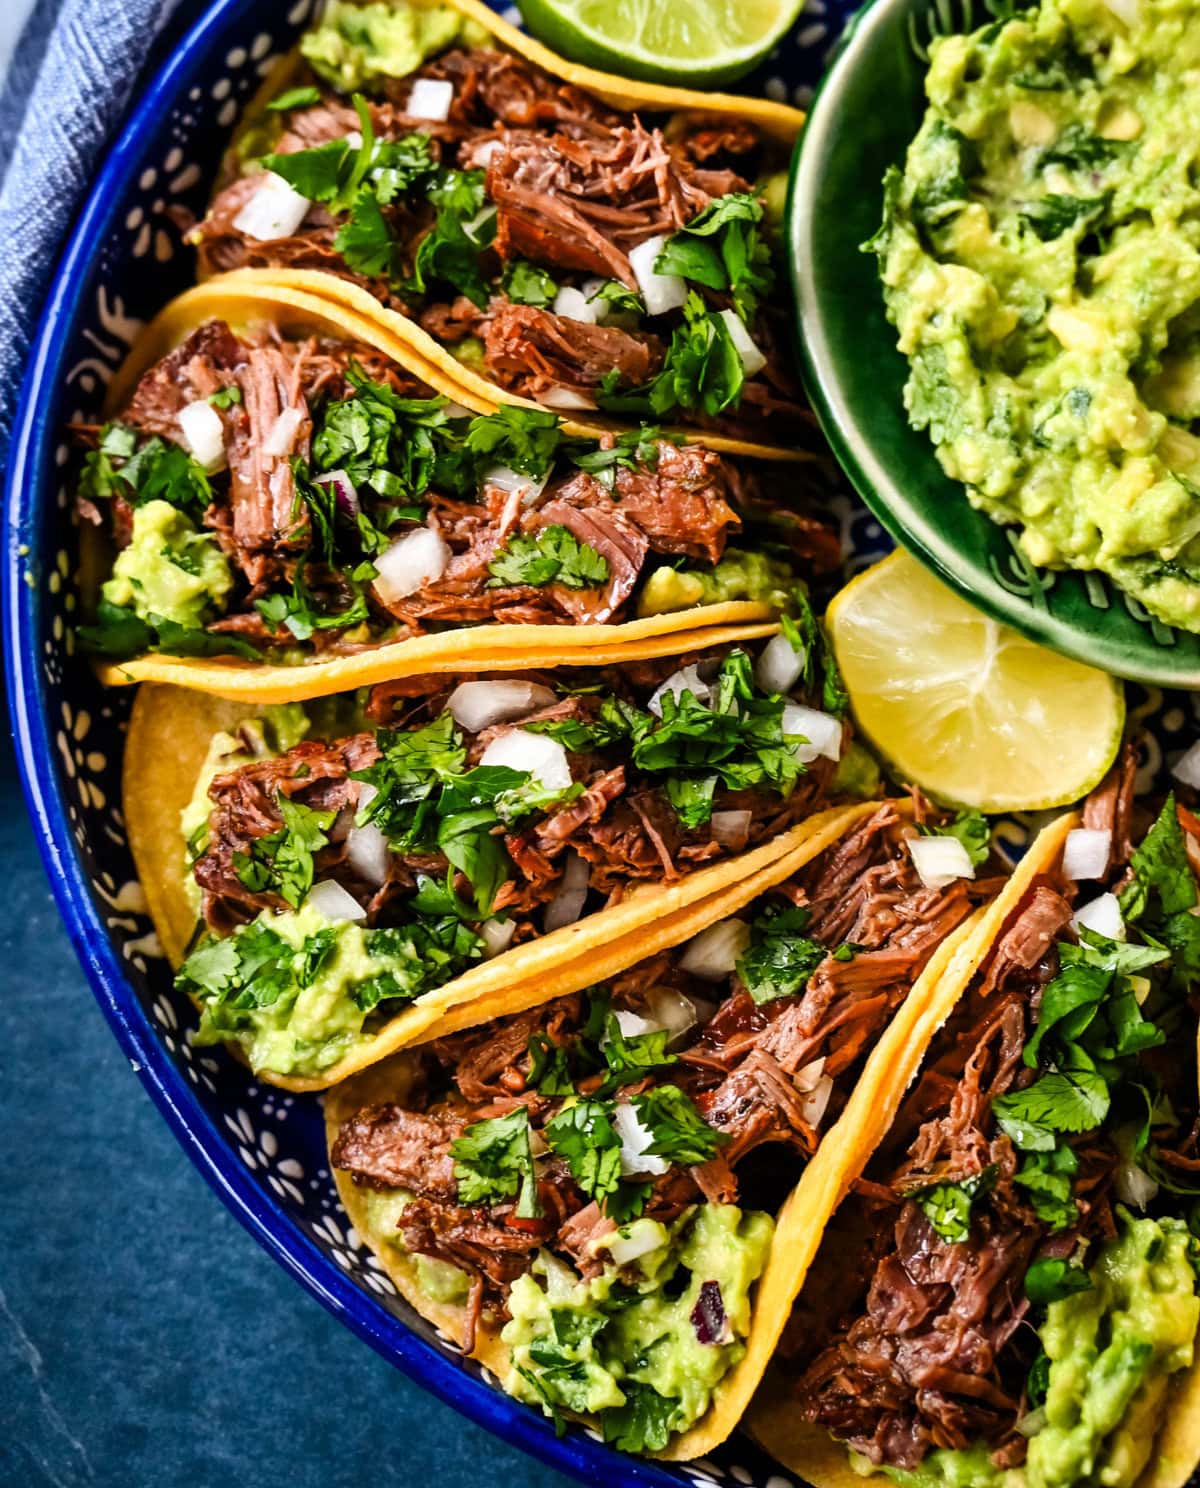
x=1009, y=1297
x=282, y=510
x=543, y=233
x=610, y=1197
x=367, y=870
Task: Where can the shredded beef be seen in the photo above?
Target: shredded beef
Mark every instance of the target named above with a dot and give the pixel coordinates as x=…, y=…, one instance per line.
x=1110, y=808
x=393, y=1147
x=529, y=351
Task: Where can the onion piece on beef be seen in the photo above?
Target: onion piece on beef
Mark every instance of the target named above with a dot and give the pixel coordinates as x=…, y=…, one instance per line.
x=571, y=894
x=940, y=860
x=780, y=665
x=535, y=754
x=635, y=1140
x=750, y=356
x=274, y=211
x=496, y=936
x=731, y=828
x=1102, y=916
x=204, y=434
x=822, y=731
x=504, y=478
x=479, y=705
x=686, y=679
x=281, y=437
x=573, y=304
x=1086, y=853
x=430, y=98
x=419, y=557
x=329, y=899
x=713, y=954
x=661, y=292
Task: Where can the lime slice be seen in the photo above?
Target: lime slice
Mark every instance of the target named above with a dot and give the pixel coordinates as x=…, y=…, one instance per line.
x=968, y=709
x=703, y=43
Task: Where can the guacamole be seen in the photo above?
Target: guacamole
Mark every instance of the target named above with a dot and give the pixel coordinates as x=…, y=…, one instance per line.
x=1040, y=256
x=646, y=1343
x=739, y=575
x=310, y=985
x=357, y=45
x=169, y=570
x=1111, y=1352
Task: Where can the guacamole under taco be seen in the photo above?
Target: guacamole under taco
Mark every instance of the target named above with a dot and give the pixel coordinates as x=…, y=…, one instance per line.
x=281, y=509
x=543, y=233
x=1009, y=1297
x=611, y=1197
x=363, y=868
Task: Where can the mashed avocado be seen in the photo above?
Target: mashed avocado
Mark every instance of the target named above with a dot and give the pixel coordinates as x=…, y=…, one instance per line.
x=381, y=1211
x=356, y=44
x=648, y=1341
x=1111, y=1351
x=169, y=570
x=1041, y=262
x=739, y=575
x=297, y=992
x=280, y=726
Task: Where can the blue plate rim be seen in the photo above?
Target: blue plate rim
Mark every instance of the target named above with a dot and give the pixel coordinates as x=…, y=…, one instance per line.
x=30, y=458
x=854, y=454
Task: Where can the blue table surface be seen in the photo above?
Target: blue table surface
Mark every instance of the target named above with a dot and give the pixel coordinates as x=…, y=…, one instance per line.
x=145, y=1339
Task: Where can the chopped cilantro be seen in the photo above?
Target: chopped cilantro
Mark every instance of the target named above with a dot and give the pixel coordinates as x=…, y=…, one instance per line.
x=619, y=298
x=526, y=284
x=282, y=861
x=122, y=632
x=154, y=471
x=493, y=1161
x=723, y=249
x=971, y=829
x=1051, y=1278
x=947, y=1206
x=525, y=439
x=702, y=371
x=583, y=1135
x=553, y=555
x=643, y=1423
x=680, y=1133
x=294, y=98
x=780, y=959
x=226, y=397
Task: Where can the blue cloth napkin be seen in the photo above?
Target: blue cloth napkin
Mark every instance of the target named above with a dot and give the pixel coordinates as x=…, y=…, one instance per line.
x=74, y=71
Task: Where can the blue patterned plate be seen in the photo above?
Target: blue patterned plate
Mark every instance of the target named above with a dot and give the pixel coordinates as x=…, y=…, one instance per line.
x=261, y=1150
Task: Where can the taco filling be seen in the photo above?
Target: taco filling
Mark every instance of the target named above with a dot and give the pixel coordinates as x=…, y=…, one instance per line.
x=340, y=879
x=577, y=255
x=1024, y=1289
x=279, y=498
x=592, y=1179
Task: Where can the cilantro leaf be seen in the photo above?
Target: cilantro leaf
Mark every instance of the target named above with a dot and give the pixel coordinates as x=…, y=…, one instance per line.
x=701, y=373
x=1047, y=1177
x=282, y=861
x=1050, y=1279
x=1075, y=1101
x=1162, y=880
x=493, y=1161
x=643, y=1423
x=525, y=439
x=294, y=98
x=630, y=1057
x=723, y=249
x=680, y=1133
x=584, y=1135
x=971, y=829
x=526, y=284
x=553, y=555
x=780, y=959
x=947, y=1206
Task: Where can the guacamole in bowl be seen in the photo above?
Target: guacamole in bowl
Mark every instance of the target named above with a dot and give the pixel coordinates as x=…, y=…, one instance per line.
x=1008, y=372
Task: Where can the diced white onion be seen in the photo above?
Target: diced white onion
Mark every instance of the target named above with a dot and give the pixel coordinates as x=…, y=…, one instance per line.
x=571, y=895
x=1124, y=10
x=478, y=705
x=1187, y=766
x=591, y=288
x=496, y=936
x=1032, y=1421
x=203, y=433
x=686, y=679
x=430, y=98
x=822, y=731
x=281, y=438
x=274, y=211
x=1102, y=916
x=344, y=487
x=671, y=1010
x=543, y=757
x=573, y=304
x=809, y=1077
x=457, y=410
x=661, y=292
x=635, y=1139
x=632, y=1244
x=812, y=1107
x=354, y=139
x=482, y=155
x=713, y=954
x=1085, y=853
x=940, y=860
x=504, y=478
x=1134, y=1186
x=752, y=359
x=633, y=1025
x=419, y=557
x=368, y=853
x=565, y=399
x=329, y=899
x=780, y=665
x=731, y=828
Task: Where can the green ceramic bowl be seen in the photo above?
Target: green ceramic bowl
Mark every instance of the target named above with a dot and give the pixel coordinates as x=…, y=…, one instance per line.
x=866, y=112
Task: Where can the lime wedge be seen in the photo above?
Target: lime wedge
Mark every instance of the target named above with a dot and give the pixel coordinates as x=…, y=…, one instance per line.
x=701, y=43
x=964, y=707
